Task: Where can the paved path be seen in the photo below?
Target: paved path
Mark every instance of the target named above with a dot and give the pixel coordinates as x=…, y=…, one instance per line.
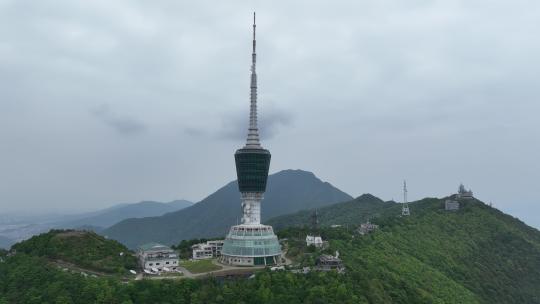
x=225, y=270
x=70, y=266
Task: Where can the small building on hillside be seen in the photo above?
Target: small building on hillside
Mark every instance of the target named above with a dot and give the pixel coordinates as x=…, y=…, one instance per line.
x=217, y=246
x=328, y=262
x=154, y=256
x=314, y=240
x=367, y=227
x=208, y=250
x=201, y=251
x=464, y=193
x=451, y=205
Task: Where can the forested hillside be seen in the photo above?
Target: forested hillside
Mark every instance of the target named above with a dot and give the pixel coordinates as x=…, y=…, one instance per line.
x=346, y=213
x=492, y=255
x=474, y=255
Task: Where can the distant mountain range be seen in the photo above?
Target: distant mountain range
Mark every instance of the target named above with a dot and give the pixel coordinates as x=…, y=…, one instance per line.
x=287, y=191
x=107, y=217
x=14, y=228
x=5, y=243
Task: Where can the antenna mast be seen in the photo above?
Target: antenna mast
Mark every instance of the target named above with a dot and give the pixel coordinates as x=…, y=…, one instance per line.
x=315, y=223
x=253, y=131
x=405, y=208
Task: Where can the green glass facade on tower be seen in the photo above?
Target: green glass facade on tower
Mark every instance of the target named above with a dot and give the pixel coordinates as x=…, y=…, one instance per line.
x=252, y=167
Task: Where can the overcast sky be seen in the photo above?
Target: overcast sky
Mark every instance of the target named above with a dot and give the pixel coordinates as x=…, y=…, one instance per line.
x=103, y=102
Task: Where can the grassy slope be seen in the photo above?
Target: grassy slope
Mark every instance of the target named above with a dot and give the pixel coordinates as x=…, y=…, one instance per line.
x=200, y=266
x=85, y=249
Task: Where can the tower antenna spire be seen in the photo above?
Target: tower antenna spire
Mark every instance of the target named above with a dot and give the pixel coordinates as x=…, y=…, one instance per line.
x=253, y=131
x=254, y=26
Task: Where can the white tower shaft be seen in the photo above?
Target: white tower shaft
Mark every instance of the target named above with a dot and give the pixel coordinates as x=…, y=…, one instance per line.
x=251, y=201
x=251, y=208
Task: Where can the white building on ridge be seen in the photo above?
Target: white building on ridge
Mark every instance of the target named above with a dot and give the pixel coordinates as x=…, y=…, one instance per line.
x=464, y=193
x=367, y=227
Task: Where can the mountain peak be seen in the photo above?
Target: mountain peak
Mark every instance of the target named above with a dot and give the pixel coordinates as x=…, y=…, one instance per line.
x=368, y=197
x=298, y=172
x=287, y=191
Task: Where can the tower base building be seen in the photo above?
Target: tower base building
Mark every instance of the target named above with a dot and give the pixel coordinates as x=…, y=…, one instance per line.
x=251, y=245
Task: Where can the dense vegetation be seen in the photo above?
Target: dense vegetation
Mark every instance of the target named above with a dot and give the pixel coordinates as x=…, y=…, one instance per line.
x=82, y=248
x=352, y=213
x=478, y=248
x=288, y=191
x=495, y=256
x=475, y=255
x=29, y=281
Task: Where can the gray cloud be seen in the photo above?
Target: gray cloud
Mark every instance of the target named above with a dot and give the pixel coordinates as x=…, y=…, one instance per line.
x=194, y=131
x=271, y=121
x=363, y=93
x=121, y=124
x=274, y=122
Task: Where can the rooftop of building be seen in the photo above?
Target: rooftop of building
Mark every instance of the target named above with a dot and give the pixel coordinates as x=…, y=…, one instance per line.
x=251, y=231
x=154, y=247
x=329, y=258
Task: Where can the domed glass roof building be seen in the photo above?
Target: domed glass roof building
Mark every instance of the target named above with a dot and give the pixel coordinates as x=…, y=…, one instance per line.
x=251, y=243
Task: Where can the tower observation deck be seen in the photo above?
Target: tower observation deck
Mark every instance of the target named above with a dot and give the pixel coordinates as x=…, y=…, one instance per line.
x=251, y=243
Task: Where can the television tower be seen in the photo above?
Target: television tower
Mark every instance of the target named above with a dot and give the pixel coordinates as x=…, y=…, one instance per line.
x=405, y=208
x=251, y=243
